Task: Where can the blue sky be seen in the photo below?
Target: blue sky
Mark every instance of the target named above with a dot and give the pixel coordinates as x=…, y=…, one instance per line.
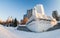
x=17, y=8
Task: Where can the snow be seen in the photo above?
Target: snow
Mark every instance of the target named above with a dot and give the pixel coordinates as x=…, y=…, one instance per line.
x=4, y=33
x=39, y=25
x=11, y=32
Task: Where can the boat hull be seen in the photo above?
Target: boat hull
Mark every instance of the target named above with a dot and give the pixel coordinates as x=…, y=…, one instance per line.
x=39, y=26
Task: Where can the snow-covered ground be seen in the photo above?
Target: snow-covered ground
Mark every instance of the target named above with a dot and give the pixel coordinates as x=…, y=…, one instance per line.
x=11, y=32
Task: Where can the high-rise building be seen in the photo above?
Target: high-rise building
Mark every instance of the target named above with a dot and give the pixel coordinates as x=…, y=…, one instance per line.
x=29, y=13
x=25, y=16
x=55, y=15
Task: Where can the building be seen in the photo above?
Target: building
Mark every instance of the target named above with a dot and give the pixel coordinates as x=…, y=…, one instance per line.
x=25, y=16
x=29, y=13
x=59, y=18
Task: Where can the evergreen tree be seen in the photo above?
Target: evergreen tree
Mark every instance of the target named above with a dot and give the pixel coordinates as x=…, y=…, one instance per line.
x=15, y=22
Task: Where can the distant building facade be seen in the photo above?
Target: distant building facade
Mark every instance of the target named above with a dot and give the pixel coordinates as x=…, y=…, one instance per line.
x=55, y=15
x=25, y=16
x=29, y=13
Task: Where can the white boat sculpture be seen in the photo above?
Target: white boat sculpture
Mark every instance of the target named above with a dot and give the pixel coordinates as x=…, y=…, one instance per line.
x=39, y=22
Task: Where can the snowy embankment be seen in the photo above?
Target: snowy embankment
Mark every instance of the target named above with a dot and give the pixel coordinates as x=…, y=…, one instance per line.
x=4, y=33
x=24, y=34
